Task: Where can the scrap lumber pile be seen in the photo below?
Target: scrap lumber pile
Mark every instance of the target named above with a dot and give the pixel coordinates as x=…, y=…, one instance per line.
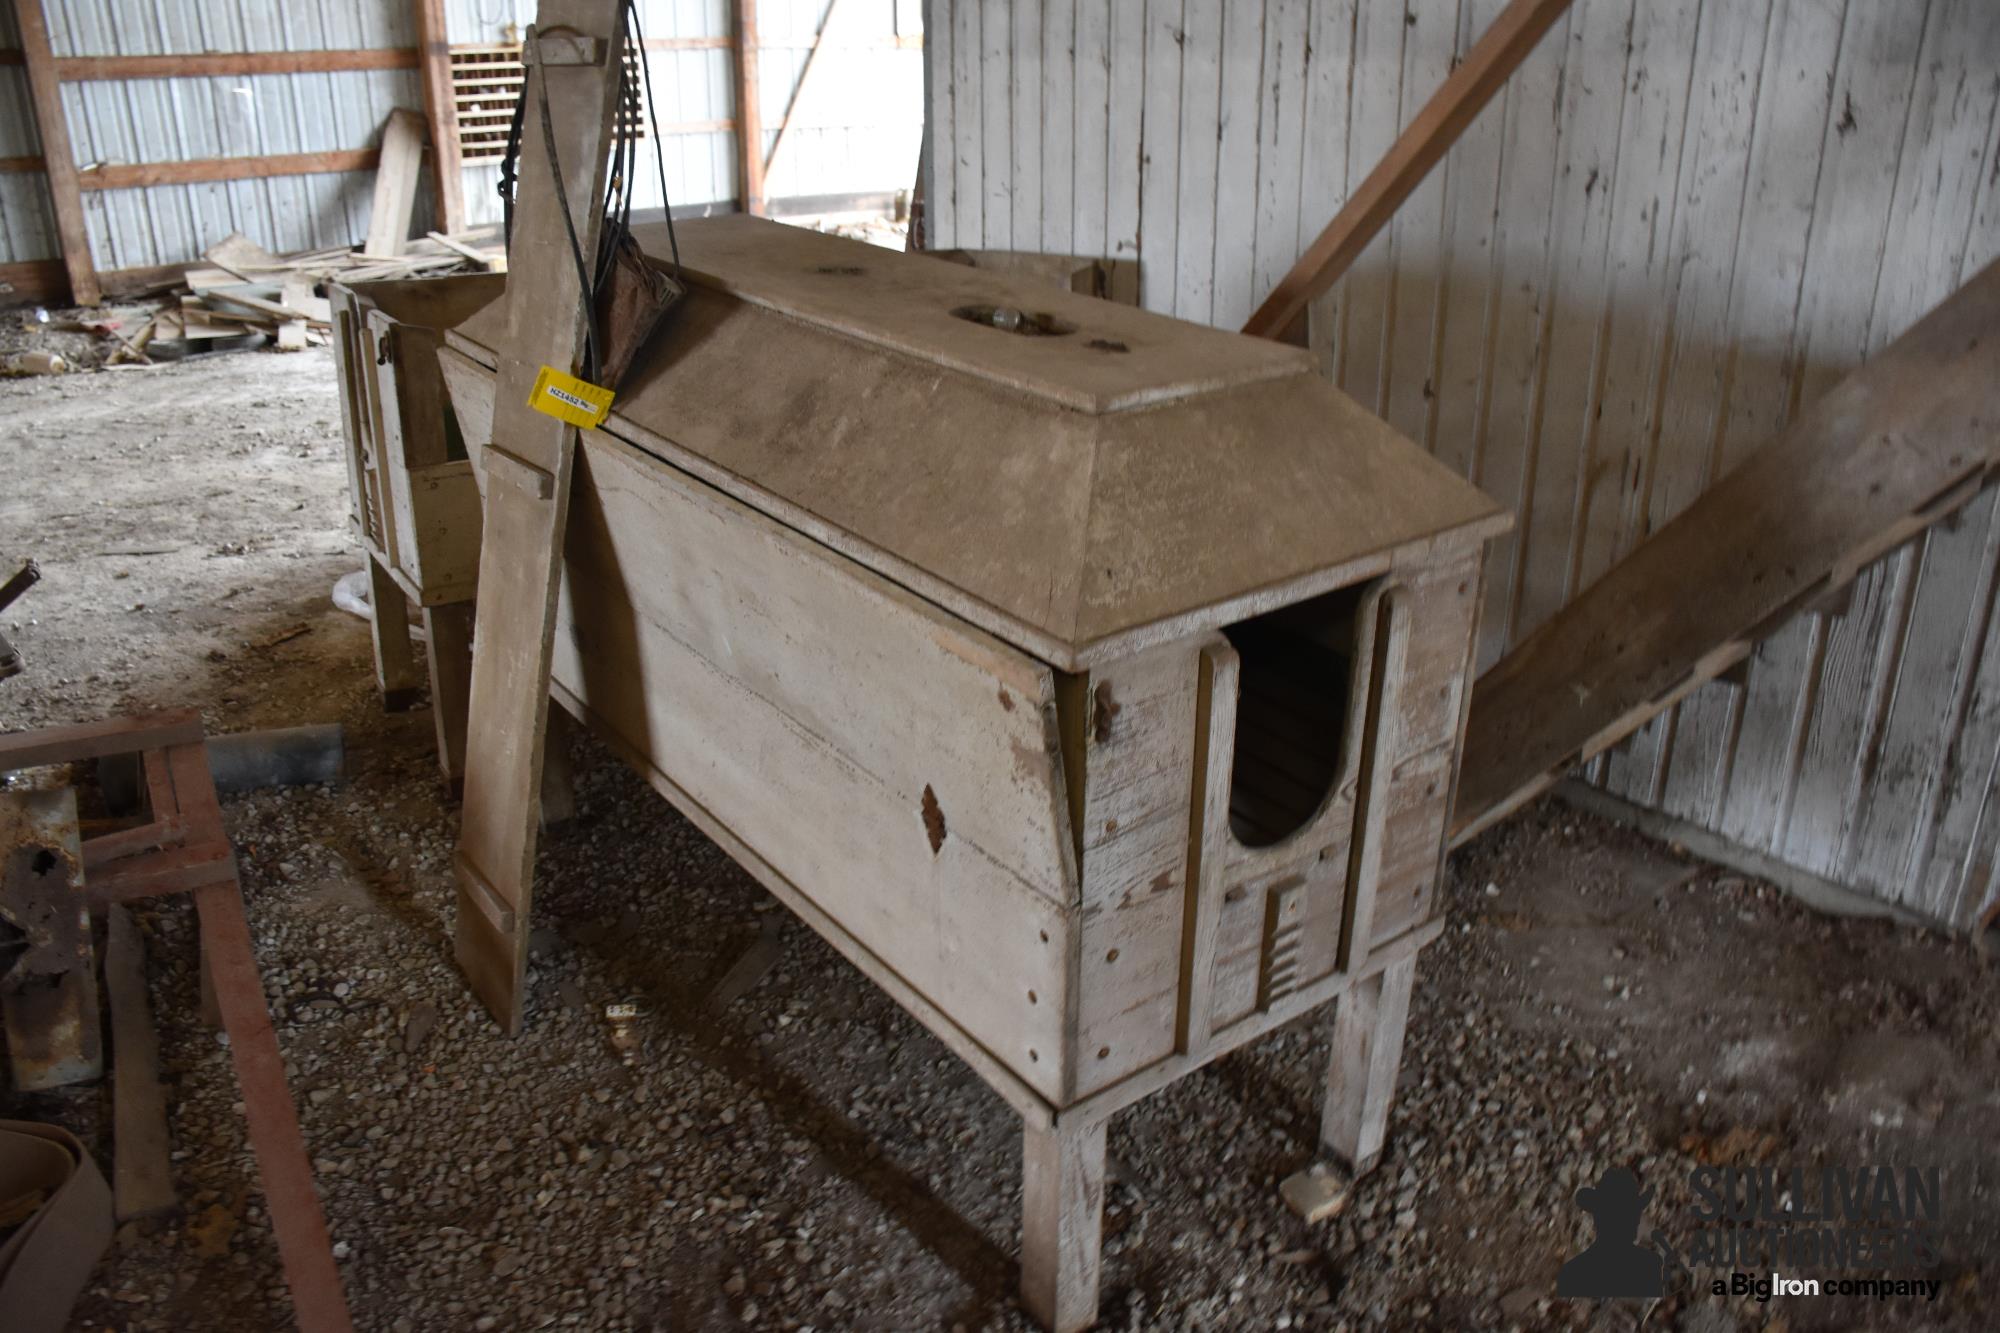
x=244, y=291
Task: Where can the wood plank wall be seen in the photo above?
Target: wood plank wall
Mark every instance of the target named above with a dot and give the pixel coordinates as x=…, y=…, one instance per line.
x=1679, y=222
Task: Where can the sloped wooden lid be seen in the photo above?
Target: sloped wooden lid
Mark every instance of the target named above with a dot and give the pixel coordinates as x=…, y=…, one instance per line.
x=1078, y=502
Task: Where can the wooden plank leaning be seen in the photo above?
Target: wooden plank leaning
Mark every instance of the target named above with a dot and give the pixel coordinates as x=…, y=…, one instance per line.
x=528, y=466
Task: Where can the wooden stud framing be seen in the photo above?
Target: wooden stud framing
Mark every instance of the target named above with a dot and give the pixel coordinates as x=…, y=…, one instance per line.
x=223, y=64
x=60, y=158
x=749, y=120
x=441, y=111
x=1422, y=146
x=136, y=175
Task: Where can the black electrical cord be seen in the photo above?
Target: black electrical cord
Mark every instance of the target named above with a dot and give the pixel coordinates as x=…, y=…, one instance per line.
x=615, y=208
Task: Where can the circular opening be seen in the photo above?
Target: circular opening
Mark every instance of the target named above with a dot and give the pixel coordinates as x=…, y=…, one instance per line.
x=1010, y=319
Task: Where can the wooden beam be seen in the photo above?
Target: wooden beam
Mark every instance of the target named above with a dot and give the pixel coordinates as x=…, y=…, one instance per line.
x=94, y=740
x=60, y=158
x=33, y=162
x=441, y=113
x=805, y=78
x=224, y=64
x=749, y=120
x=1898, y=444
x=395, y=184
x=1430, y=136
x=688, y=43
x=133, y=175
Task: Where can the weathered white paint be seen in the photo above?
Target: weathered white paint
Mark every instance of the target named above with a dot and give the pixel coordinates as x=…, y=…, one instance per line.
x=1678, y=223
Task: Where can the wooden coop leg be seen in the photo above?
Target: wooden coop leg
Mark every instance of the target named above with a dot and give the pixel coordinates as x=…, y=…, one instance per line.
x=1062, y=1217
x=1368, y=1023
x=395, y=661
x=448, y=643
x=558, y=778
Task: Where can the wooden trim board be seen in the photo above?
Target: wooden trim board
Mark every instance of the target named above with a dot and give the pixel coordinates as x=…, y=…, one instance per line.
x=137, y=175
x=1899, y=443
x=224, y=64
x=441, y=114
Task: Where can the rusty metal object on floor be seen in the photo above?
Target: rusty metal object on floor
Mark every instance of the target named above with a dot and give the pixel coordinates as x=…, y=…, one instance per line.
x=184, y=847
x=48, y=975
x=46, y=1262
x=23, y=579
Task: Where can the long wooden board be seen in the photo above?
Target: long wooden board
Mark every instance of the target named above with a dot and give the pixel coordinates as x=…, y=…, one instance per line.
x=58, y=156
x=1896, y=445
x=528, y=468
x=1467, y=90
x=395, y=184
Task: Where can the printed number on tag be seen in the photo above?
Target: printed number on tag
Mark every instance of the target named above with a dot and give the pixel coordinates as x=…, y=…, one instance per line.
x=567, y=398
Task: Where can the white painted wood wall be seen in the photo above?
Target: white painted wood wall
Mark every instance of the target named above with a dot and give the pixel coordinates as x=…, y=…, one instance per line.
x=1681, y=221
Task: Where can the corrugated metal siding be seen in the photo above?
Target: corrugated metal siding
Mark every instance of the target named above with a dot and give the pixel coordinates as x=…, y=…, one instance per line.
x=166, y=120
x=1679, y=222
x=27, y=222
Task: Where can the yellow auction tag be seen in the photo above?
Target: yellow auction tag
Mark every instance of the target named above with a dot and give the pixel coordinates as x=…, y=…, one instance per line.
x=567, y=398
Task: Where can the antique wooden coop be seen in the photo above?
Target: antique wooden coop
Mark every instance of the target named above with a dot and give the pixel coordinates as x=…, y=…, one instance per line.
x=1092, y=680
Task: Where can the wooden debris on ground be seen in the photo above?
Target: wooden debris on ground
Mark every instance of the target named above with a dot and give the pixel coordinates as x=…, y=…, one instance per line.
x=242, y=290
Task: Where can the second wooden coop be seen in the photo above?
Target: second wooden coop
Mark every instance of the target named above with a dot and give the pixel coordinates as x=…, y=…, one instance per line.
x=1092, y=680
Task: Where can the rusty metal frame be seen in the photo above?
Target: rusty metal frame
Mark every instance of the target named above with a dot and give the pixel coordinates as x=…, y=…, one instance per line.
x=184, y=848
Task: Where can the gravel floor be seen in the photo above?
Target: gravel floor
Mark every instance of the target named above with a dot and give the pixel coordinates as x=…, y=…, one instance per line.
x=809, y=1156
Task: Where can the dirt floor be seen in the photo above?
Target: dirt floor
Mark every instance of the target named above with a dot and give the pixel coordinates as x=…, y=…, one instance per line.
x=809, y=1156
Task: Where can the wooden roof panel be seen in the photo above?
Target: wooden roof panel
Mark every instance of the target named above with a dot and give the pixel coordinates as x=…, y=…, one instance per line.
x=1074, y=534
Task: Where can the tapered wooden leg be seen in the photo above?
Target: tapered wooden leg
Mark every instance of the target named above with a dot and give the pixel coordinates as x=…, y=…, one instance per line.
x=558, y=778
x=395, y=661
x=1368, y=1023
x=448, y=644
x=1062, y=1219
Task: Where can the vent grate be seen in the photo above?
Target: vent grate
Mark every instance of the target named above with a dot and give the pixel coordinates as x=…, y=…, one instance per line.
x=486, y=83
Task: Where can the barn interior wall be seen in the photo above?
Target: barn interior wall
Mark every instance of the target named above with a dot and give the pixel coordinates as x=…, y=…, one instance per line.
x=1676, y=225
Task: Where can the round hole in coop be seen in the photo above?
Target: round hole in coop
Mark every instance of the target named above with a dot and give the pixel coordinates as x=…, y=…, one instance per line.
x=1012, y=319
x=1296, y=671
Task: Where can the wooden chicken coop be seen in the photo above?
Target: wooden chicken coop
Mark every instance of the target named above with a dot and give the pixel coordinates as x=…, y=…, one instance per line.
x=415, y=500
x=1092, y=680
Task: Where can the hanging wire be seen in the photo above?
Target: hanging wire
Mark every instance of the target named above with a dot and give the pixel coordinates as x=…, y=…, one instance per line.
x=615, y=208
x=653, y=124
